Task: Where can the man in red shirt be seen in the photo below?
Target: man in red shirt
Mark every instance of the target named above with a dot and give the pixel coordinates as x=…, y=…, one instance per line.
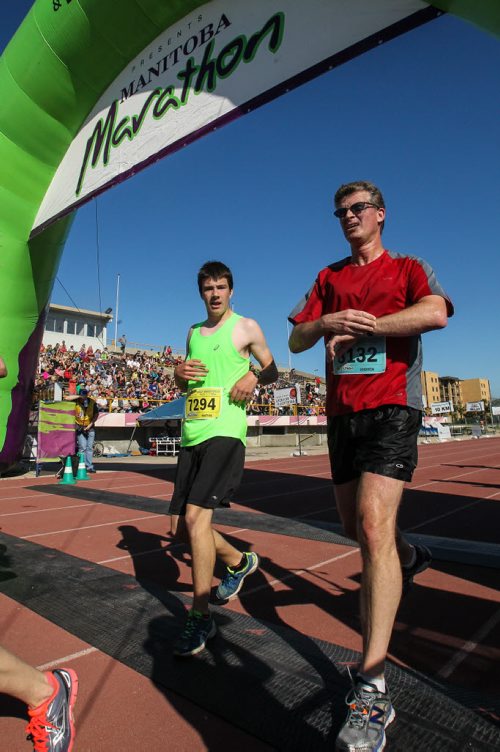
x=371, y=309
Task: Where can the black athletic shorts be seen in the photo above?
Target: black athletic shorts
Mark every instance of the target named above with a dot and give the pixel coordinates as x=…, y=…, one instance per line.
x=208, y=474
x=381, y=441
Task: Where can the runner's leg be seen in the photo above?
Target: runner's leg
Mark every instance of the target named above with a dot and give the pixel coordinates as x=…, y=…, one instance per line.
x=378, y=502
x=198, y=522
x=227, y=553
x=22, y=681
x=345, y=497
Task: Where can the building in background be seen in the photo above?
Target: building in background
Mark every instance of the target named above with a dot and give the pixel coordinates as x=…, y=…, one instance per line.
x=451, y=390
x=440, y=390
x=475, y=390
x=430, y=388
x=76, y=327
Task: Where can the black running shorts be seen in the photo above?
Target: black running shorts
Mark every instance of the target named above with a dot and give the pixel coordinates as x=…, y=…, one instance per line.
x=208, y=474
x=381, y=441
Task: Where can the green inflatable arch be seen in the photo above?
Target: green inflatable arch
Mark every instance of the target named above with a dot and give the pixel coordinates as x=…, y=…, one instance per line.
x=61, y=61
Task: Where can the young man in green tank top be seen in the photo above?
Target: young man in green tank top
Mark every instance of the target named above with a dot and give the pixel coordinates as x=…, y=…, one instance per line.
x=218, y=382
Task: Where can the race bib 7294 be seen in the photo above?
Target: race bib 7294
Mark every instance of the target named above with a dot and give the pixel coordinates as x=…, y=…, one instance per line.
x=203, y=403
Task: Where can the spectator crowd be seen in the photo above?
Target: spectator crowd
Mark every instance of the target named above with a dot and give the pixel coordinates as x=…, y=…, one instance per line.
x=139, y=381
x=118, y=382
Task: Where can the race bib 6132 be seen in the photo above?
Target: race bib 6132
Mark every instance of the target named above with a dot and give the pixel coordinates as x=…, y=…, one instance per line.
x=366, y=356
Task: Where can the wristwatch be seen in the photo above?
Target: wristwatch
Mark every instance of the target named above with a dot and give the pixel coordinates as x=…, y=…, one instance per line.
x=254, y=370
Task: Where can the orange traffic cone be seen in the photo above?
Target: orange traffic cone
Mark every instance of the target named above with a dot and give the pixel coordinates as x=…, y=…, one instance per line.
x=68, y=479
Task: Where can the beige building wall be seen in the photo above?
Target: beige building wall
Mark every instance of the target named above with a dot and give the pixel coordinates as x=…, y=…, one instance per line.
x=437, y=388
x=430, y=387
x=475, y=390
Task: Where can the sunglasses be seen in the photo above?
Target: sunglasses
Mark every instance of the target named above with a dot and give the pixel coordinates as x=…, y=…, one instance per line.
x=356, y=209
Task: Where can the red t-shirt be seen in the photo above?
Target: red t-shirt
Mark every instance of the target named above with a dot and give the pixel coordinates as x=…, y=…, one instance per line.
x=387, y=285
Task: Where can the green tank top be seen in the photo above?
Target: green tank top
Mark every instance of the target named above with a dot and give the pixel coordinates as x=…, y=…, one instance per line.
x=209, y=399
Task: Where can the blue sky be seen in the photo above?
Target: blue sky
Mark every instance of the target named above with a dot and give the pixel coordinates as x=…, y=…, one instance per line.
x=418, y=116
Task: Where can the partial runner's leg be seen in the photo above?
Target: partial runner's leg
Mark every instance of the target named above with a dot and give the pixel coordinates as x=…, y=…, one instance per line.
x=198, y=522
x=345, y=497
x=378, y=502
x=22, y=681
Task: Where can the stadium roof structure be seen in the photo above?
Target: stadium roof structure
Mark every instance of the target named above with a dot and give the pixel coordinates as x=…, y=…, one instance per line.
x=168, y=411
x=55, y=307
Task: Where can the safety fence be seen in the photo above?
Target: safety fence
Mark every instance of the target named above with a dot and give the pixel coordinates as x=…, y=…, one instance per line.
x=144, y=404
x=141, y=405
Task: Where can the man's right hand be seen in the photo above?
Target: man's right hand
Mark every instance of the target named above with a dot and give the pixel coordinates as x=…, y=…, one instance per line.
x=349, y=321
x=191, y=370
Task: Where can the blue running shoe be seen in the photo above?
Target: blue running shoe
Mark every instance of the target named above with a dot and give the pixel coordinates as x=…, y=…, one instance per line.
x=51, y=727
x=198, y=630
x=232, y=581
x=370, y=712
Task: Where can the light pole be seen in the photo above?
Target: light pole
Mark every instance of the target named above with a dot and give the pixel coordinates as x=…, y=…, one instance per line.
x=116, y=308
x=491, y=404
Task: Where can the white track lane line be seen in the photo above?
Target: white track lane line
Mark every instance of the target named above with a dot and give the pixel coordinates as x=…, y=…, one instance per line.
x=469, y=449
x=66, y=659
x=290, y=476
x=458, y=462
x=89, y=527
x=299, y=572
x=141, y=553
x=131, y=485
x=50, y=509
x=469, y=646
x=442, y=516
x=21, y=498
x=266, y=482
x=491, y=496
x=448, y=480
x=433, y=519
x=161, y=548
x=288, y=493
x=452, y=511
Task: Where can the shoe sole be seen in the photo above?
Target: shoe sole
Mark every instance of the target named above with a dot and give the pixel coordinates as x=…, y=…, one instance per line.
x=209, y=636
x=392, y=716
x=250, y=571
x=70, y=679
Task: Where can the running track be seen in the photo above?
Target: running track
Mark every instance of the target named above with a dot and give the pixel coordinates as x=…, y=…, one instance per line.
x=447, y=629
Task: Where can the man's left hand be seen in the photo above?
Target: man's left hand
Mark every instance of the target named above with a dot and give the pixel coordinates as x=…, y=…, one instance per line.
x=339, y=344
x=242, y=391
